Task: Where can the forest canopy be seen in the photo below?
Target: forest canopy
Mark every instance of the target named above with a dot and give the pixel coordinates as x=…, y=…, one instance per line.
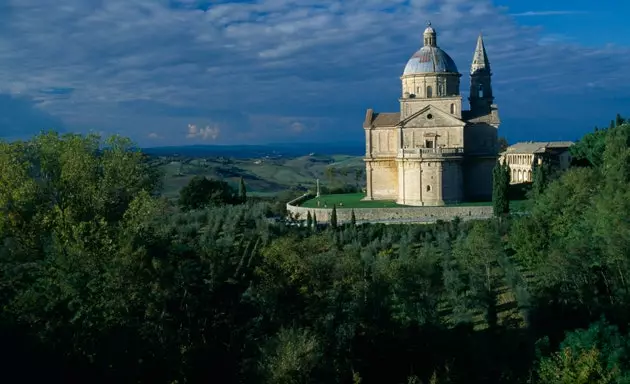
x=103, y=280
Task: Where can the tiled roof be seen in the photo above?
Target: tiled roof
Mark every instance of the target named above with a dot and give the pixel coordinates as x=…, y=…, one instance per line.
x=387, y=119
x=529, y=147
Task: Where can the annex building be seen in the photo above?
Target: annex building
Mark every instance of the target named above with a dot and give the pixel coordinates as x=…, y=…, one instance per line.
x=433, y=151
x=523, y=157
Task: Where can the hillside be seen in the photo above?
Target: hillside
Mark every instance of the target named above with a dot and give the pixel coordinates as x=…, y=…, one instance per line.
x=264, y=175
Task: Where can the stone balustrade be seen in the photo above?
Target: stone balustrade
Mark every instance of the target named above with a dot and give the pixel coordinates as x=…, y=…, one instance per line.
x=430, y=152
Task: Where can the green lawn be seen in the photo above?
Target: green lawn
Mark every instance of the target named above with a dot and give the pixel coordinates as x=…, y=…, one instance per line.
x=348, y=200
x=353, y=200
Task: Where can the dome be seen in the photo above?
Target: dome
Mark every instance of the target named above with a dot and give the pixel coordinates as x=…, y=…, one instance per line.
x=430, y=59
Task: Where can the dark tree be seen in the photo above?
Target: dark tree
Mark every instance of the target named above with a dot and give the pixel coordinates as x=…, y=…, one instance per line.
x=309, y=220
x=503, y=144
x=540, y=178
x=314, y=221
x=619, y=120
x=500, y=188
x=242, y=191
x=333, y=217
x=201, y=192
x=353, y=219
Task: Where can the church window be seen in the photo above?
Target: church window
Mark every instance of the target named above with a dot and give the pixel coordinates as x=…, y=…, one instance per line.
x=429, y=92
x=480, y=91
x=429, y=116
x=428, y=188
x=429, y=143
x=452, y=108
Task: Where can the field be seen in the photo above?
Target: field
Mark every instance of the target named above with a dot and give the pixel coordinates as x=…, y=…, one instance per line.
x=266, y=175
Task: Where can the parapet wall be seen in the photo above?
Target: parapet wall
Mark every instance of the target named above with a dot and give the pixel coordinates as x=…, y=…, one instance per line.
x=402, y=214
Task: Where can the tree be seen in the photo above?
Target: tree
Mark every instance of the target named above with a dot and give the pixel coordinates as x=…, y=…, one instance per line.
x=500, y=189
x=201, y=192
x=314, y=221
x=541, y=175
x=333, y=217
x=242, y=191
x=503, y=144
x=353, y=219
x=619, y=120
x=309, y=220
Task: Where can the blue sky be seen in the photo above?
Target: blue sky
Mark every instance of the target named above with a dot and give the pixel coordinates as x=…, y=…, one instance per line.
x=177, y=72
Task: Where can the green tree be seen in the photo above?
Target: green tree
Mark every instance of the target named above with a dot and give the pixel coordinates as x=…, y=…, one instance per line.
x=201, y=192
x=500, y=189
x=242, y=191
x=309, y=220
x=353, y=219
x=314, y=221
x=333, y=217
x=541, y=174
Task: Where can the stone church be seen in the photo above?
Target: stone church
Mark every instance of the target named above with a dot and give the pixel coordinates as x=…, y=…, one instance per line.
x=433, y=152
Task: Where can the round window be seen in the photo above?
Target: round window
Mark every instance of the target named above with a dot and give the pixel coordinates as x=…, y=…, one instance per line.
x=429, y=116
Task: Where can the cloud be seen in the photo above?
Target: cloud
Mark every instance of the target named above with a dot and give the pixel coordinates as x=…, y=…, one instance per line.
x=153, y=135
x=256, y=67
x=207, y=133
x=547, y=13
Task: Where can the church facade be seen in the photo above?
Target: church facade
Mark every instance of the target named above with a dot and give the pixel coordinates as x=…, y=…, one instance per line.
x=433, y=152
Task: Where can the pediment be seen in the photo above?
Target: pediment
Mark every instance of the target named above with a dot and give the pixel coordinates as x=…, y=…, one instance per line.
x=431, y=116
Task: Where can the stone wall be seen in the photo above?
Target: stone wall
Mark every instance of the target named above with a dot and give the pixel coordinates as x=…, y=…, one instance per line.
x=402, y=214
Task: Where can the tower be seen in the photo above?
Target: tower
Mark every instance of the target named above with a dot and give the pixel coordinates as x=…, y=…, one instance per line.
x=480, y=98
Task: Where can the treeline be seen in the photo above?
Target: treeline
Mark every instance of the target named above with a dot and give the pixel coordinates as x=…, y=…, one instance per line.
x=102, y=280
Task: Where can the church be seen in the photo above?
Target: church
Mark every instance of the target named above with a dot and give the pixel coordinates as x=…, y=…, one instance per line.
x=433, y=152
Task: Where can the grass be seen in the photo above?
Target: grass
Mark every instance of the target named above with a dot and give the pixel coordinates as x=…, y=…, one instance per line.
x=348, y=200
x=353, y=200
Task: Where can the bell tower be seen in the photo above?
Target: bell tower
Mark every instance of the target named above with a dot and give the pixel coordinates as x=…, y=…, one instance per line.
x=480, y=98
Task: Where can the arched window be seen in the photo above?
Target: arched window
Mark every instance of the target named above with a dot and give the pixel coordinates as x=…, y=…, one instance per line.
x=452, y=109
x=480, y=91
x=429, y=92
x=428, y=188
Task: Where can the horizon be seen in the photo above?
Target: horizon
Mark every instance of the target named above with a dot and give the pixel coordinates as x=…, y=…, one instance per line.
x=188, y=72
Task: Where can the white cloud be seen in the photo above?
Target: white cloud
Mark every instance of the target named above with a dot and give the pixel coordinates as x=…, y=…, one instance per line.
x=206, y=133
x=546, y=13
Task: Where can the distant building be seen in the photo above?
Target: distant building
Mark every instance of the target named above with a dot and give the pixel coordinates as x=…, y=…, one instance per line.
x=432, y=151
x=522, y=157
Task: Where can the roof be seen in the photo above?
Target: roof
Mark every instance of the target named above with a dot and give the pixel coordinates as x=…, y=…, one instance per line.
x=387, y=119
x=530, y=147
x=430, y=59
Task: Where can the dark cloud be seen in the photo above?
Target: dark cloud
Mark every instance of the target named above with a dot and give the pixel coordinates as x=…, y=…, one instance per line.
x=21, y=117
x=261, y=69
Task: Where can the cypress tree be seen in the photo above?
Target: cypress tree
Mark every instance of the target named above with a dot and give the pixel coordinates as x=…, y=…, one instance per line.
x=619, y=120
x=314, y=221
x=540, y=179
x=309, y=220
x=500, y=188
x=506, y=186
x=242, y=191
x=353, y=219
x=333, y=217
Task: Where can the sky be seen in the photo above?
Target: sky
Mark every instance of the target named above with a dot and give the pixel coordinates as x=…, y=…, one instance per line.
x=183, y=72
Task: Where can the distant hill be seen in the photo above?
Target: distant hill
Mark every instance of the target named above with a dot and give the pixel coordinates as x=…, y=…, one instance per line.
x=258, y=151
x=264, y=175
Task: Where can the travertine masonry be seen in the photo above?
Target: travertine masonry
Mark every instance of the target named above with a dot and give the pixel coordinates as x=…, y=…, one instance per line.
x=403, y=214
